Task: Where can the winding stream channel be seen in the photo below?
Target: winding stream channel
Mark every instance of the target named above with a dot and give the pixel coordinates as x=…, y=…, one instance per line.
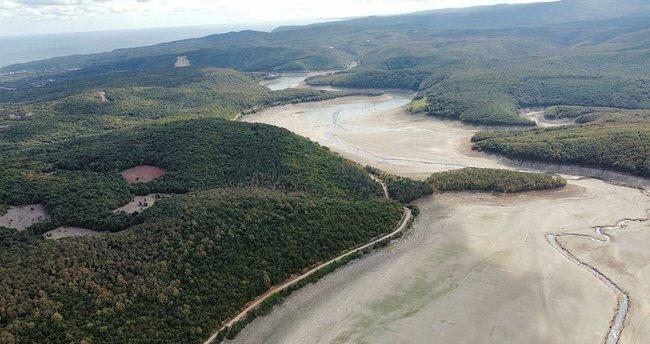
x=475, y=268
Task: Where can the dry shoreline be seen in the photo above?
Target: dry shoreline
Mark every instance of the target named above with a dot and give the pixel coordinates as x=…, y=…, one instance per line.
x=379, y=137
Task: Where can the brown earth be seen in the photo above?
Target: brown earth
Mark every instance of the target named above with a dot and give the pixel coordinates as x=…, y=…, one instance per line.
x=142, y=174
x=23, y=216
x=138, y=204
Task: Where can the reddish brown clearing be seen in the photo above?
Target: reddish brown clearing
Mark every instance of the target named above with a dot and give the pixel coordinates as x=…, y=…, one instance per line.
x=23, y=216
x=142, y=174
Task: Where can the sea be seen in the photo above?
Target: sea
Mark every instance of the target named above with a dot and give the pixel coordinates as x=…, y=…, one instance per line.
x=19, y=49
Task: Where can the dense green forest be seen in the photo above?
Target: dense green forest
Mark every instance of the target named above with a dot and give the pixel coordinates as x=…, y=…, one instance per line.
x=195, y=261
x=197, y=154
x=493, y=180
x=621, y=147
x=407, y=190
x=64, y=143
x=582, y=114
x=478, y=65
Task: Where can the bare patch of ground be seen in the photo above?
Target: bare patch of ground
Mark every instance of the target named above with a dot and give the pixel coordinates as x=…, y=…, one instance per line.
x=138, y=204
x=68, y=232
x=102, y=95
x=182, y=61
x=537, y=116
x=142, y=174
x=624, y=259
x=23, y=216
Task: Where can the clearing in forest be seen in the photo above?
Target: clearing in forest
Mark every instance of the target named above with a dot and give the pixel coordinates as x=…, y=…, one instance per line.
x=23, y=216
x=142, y=174
x=67, y=232
x=138, y=204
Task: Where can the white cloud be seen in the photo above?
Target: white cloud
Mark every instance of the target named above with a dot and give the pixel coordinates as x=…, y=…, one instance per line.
x=40, y=16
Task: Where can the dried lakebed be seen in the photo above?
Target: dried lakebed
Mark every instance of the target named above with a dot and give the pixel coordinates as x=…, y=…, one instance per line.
x=475, y=268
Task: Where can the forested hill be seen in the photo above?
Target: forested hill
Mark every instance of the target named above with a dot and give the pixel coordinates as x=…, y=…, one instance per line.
x=90, y=104
x=331, y=45
x=477, y=65
x=243, y=206
x=246, y=207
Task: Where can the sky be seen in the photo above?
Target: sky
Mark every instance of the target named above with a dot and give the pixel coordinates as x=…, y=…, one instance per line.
x=21, y=17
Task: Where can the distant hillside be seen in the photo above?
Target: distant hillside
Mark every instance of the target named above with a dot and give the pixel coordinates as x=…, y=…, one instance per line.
x=85, y=105
x=332, y=45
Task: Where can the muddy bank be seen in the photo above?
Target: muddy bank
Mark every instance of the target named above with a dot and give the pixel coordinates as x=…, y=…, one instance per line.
x=476, y=268
x=537, y=115
x=294, y=80
x=574, y=170
x=624, y=259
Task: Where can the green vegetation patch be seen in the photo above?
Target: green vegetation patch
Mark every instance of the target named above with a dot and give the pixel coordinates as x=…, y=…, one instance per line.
x=583, y=114
x=418, y=105
x=493, y=180
x=620, y=147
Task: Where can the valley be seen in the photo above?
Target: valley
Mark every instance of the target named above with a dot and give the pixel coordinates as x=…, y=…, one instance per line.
x=457, y=175
x=477, y=267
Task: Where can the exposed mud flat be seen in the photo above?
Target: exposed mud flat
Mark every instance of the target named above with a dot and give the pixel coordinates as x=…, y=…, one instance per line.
x=377, y=131
x=68, y=232
x=476, y=268
x=624, y=259
x=294, y=80
x=537, y=116
x=138, y=204
x=23, y=216
x=142, y=174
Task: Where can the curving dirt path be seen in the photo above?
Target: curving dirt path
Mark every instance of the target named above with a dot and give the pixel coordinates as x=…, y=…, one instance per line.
x=276, y=289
